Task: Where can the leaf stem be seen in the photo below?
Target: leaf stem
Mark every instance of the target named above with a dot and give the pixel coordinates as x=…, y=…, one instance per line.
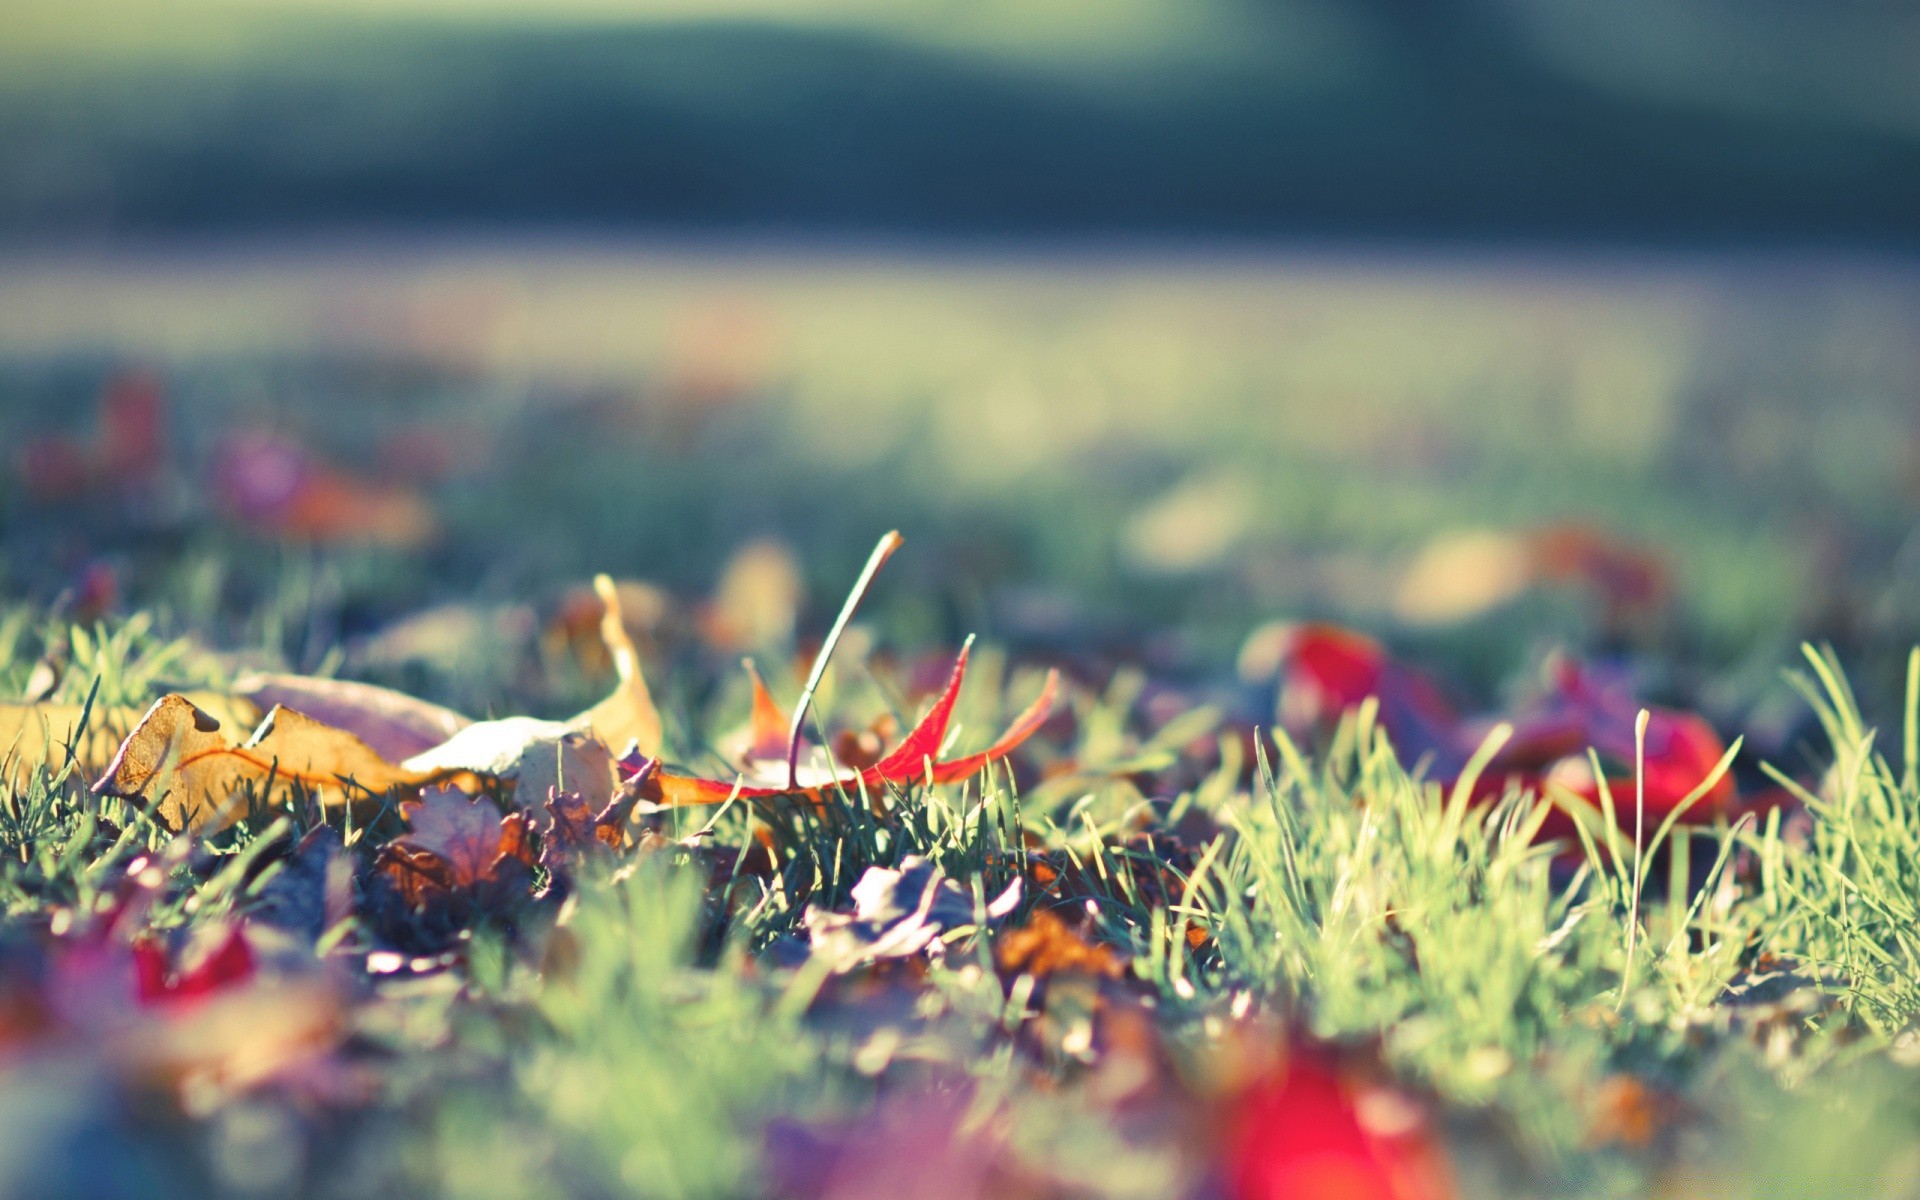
x=881, y=553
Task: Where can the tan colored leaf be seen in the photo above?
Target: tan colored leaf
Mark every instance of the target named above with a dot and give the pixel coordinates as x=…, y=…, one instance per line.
x=31, y=734
x=1046, y=945
x=628, y=715
x=212, y=774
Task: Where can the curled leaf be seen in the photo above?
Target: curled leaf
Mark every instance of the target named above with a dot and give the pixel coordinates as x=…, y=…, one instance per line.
x=211, y=775
x=629, y=714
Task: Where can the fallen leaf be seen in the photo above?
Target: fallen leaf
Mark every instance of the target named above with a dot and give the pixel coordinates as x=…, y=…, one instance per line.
x=211, y=773
x=629, y=714
x=461, y=831
x=571, y=829
x=227, y=962
x=914, y=760
x=31, y=734
x=756, y=604
x=460, y=848
x=535, y=755
x=280, y=488
x=1299, y=1133
x=1046, y=945
x=1328, y=671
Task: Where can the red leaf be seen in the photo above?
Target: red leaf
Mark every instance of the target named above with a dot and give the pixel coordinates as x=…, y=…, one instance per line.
x=1328, y=670
x=158, y=980
x=907, y=764
x=1299, y=1135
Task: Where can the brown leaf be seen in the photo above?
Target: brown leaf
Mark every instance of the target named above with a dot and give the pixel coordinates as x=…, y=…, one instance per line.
x=457, y=829
x=572, y=829
x=211, y=773
x=1046, y=945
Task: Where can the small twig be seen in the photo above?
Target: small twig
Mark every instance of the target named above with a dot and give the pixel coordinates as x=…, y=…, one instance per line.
x=881, y=553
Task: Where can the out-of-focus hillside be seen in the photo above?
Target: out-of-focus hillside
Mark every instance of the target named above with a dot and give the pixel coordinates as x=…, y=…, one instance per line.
x=1530, y=118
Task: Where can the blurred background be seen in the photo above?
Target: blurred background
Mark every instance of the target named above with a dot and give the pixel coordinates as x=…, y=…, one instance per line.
x=1489, y=324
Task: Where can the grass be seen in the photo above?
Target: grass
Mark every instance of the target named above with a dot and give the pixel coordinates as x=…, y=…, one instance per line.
x=636, y=1040
x=1729, y=1012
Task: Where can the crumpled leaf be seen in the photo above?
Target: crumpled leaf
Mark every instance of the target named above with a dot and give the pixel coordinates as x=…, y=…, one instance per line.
x=899, y=913
x=211, y=773
x=458, y=844
x=570, y=828
x=913, y=760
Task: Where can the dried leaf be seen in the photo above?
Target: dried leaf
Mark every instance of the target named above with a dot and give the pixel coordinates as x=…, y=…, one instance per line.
x=211, y=774
x=572, y=829
x=32, y=734
x=460, y=846
x=628, y=715
x=459, y=830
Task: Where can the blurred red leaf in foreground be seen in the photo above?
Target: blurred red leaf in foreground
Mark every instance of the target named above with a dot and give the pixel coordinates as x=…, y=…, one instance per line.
x=1299, y=1133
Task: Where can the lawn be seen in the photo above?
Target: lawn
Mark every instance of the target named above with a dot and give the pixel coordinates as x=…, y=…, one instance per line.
x=1413, y=780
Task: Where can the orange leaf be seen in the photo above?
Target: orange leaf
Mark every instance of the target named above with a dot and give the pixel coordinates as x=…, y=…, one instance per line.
x=1046, y=945
x=768, y=732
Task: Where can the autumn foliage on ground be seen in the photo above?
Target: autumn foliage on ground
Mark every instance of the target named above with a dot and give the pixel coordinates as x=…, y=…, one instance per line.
x=783, y=908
